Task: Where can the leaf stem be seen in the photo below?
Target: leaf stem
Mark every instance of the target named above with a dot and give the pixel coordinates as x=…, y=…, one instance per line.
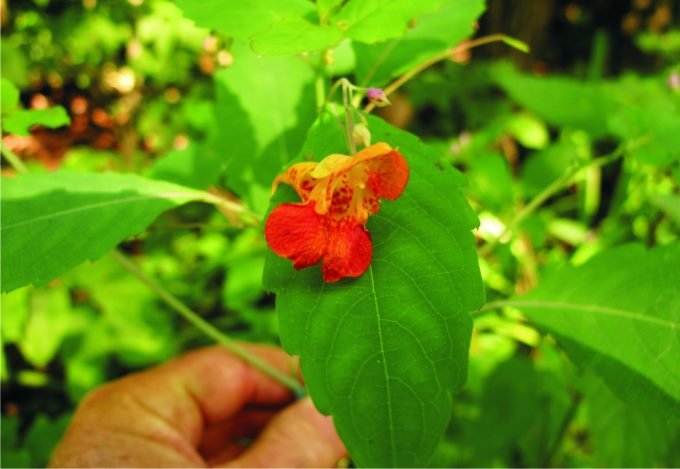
x=13, y=159
x=212, y=332
x=399, y=82
x=253, y=218
x=319, y=82
x=349, y=124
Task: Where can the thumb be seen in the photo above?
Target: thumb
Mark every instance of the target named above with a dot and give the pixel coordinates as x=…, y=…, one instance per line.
x=299, y=436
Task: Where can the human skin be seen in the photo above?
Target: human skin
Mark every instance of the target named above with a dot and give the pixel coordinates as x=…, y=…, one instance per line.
x=196, y=411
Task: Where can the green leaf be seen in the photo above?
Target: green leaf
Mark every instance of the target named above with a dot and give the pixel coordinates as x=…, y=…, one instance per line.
x=267, y=104
x=561, y=101
x=43, y=436
x=669, y=204
x=9, y=96
x=197, y=166
x=376, y=20
x=47, y=324
x=618, y=314
x=242, y=19
x=295, y=35
x=19, y=123
x=54, y=221
x=327, y=6
x=622, y=435
x=272, y=27
x=433, y=33
x=490, y=180
x=384, y=352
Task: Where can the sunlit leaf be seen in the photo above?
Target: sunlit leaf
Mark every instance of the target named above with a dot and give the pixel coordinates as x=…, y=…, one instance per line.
x=20, y=123
x=47, y=324
x=10, y=96
x=383, y=353
x=266, y=105
x=295, y=35
x=52, y=222
x=433, y=33
x=376, y=20
x=242, y=19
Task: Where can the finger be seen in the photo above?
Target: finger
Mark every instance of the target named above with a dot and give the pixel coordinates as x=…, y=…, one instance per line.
x=180, y=398
x=246, y=424
x=297, y=437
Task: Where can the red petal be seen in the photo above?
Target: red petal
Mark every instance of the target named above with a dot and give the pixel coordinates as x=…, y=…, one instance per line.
x=387, y=175
x=348, y=253
x=295, y=231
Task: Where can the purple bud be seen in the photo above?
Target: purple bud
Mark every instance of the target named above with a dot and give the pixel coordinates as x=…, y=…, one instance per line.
x=674, y=81
x=377, y=96
x=375, y=93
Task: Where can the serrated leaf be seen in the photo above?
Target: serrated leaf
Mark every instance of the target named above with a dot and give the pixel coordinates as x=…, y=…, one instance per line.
x=618, y=314
x=384, y=352
x=20, y=122
x=52, y=222
x=433, y=33
x=376, y=20
x=268, y=104
x=293, y=36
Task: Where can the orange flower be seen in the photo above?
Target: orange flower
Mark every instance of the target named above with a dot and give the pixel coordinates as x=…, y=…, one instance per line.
x=338, y=195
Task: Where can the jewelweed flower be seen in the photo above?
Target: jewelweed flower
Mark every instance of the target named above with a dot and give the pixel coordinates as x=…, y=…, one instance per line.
x=338, y=195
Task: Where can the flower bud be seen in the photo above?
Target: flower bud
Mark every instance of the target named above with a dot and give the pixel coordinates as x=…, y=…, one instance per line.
x=377, y=96
x=361, y=135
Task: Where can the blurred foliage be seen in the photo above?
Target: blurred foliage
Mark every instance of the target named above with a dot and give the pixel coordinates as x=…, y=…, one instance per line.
x=149, y=92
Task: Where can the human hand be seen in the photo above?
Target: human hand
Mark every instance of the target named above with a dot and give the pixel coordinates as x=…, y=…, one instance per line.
x=196, y=411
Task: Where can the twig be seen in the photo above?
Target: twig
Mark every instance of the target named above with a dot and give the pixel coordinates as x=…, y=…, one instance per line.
x=206, y=328
x=555, y=187
x=395, y=85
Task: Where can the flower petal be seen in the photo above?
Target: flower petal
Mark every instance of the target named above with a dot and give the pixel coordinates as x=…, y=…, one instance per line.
x=348, y=253
x=299, y=177
x=387, y=175
x=296, y=232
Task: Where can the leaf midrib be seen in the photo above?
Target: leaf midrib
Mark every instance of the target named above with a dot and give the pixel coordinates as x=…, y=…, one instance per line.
x=584, y=308
x=390, y=418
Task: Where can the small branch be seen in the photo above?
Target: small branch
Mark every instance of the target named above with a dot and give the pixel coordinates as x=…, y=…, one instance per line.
x=13, y=159
x=349, y=124
x=395, y=85
x=555, y=187
x=206, y=328
x=247, y=215
x=319, y=82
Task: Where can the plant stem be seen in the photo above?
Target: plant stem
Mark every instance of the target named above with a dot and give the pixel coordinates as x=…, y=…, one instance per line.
x=255, y=219
x=395, y=85
x=13, y=159
x=562, y=432
x=319, y=82
x=555, y=187
x=206, y=328
x=349, y=125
